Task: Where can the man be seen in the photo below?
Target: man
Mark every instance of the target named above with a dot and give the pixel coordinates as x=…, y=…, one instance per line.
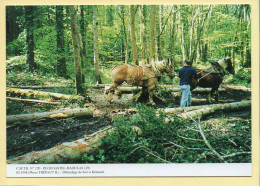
x=186, y=74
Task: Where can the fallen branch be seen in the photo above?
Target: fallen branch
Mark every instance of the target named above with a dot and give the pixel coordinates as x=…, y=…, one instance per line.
x=208, y=144
x=33, y=93
x=33, y=101
x=207, y=153
x=65, y=152
x=77, y=112
x=236, y=154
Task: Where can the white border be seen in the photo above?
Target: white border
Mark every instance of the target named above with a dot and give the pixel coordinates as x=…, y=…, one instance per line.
x=128, y=170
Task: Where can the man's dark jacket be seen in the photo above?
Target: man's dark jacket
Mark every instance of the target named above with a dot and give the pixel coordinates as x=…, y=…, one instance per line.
x=186, y=73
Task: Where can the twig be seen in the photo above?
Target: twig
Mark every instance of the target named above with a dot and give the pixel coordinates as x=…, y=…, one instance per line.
x=185, y=147
x=206, y=141
x=236, y=154
x=144, y=148
x=192, y=129
x=189, y=138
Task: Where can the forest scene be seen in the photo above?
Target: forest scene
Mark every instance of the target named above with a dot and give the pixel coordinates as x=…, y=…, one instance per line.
x=100, y=84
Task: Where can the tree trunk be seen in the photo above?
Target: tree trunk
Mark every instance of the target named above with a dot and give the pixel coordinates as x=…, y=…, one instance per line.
x=133, y=40
x=207, y=109
x=199, y=34
x=142, y=32
x=77, y=113
x=236, y=87
x=76, y=47
x=34, y=93
x=96, y=57
x=65, y=152
x=83, y=32
x=152, y=34
x=159, y=39
x=61, y=60
x=38, y=86
x=145, y=36
x=173, y=39
x=33, y=101
x=125, y=34
x=183, y=43
x=29, y=26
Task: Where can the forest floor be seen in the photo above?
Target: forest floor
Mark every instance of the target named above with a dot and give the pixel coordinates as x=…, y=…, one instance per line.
x=35, y=136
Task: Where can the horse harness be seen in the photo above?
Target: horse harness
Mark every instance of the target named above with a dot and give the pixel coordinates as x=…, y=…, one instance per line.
x=215, y=68
x=138, y=72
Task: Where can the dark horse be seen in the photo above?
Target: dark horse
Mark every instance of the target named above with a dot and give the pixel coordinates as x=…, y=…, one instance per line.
x=144, y=76
x=213, y=77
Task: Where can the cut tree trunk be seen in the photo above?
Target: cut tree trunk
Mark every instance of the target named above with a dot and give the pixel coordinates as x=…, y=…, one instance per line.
x=77, y=112
x=207, y=109
x=33, y=93
x=39, y=86
x=33, y=101
x=173, y=88
x=65, y=152
x=236, y=87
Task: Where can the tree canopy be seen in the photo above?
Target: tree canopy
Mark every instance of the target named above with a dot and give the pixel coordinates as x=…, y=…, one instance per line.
x=128, y=34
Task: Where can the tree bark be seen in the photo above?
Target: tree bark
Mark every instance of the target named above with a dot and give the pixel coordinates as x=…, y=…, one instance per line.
x=159, y=39
x=173, y=39
x=201, y=27
x=152, y=34
x=83, y=32
x=34, y=93
x=29, y=19
x=65, y=152
x=236, y=87
x=76, y=47
x=38, y=86
x=124, y=31
x=96, y=57
x=61, y=60
x=33, y=101
x=77, y=113
x=133, y=40
x=207, y=109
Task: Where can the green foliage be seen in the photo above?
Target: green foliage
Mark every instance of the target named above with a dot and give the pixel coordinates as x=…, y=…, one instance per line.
x=17, y=46
x=241, y=77
x=96, y=158
x=125, y=145
x=147, y=137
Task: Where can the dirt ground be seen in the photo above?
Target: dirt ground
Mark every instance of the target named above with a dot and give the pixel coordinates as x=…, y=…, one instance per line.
x=34, y=136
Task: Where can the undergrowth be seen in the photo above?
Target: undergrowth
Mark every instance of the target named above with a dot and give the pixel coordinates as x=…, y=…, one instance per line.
x=147, y=137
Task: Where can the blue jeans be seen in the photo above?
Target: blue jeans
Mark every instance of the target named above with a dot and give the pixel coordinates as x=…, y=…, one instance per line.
x=186, y=96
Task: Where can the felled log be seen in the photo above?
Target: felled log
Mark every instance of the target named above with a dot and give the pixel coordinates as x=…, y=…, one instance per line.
x=68, y=151
x=236, y=87
x=173, y=88
x=207, y=109
x=33, y=93
x=65, y=152
x=77, y=112
x=33, y=101
x=38, y=86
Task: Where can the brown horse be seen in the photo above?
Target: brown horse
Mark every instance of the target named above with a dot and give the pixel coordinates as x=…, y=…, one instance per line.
x=143, y=76
x=213, y=77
